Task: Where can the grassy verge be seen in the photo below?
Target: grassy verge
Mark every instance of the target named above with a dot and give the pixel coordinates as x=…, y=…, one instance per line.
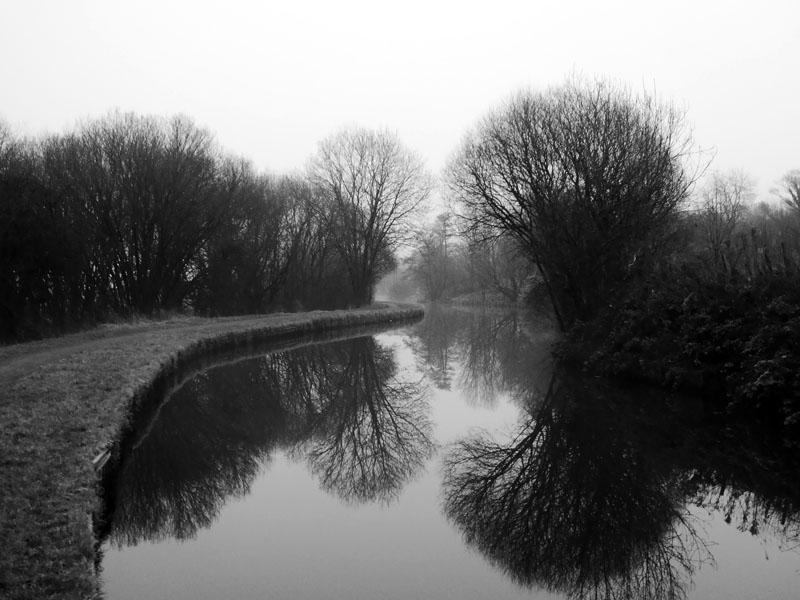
x=63, y=400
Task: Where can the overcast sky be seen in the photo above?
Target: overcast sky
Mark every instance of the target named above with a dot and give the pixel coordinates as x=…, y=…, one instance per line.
x=271, y=78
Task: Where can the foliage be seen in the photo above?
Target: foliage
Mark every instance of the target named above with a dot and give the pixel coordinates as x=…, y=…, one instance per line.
x=152, y=192
x=735, y=344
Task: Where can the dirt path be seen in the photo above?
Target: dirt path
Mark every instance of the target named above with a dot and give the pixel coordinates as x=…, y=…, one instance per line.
x=63, y=400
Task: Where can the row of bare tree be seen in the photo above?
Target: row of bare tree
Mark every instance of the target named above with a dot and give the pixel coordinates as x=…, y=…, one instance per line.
x=131, y=214
x=447, y=262
x=737, y=238
x=579, y=189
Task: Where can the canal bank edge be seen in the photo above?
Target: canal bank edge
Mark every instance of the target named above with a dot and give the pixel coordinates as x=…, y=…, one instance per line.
x=63, y=401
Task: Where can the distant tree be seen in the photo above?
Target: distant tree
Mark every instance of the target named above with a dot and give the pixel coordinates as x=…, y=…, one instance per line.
x=789, y=189
x=426, y=265
x=6, y=140
x=429, y=264
x=372, y=188
x=775, y=233
x=584, y=177
x=724, y=202
x=500, y=264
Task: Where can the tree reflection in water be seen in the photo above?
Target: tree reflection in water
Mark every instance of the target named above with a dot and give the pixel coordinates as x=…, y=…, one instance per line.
x=749, y=476
x=363, y=430
x=373, y=434
x=484, y=353
x=205, y=446
x=435, y=343
x=502, y=353
x=577, y=502
x=590, y=497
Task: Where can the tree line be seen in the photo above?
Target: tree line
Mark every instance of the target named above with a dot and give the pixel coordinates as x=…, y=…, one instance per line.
x=131, y=214
x=577, y=197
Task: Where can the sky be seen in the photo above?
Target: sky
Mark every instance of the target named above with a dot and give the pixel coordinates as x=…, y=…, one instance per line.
x=272, y=78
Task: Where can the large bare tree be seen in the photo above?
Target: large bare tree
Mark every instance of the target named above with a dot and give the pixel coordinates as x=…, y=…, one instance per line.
x=583, y=176
x=372, y=188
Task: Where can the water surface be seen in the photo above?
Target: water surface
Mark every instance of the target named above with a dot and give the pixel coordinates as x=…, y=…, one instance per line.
x=451, y=459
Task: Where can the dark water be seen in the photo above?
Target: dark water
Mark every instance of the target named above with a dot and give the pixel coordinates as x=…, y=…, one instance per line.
x=451, y=459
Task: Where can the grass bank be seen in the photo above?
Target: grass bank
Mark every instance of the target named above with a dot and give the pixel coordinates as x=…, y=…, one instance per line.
x=63, y=400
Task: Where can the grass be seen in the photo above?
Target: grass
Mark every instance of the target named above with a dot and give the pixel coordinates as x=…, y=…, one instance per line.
x=63, y=400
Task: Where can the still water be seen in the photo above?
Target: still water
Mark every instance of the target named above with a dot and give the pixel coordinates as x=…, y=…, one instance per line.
x=449, y=459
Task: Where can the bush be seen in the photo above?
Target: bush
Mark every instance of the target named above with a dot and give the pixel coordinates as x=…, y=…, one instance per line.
x=737, y=345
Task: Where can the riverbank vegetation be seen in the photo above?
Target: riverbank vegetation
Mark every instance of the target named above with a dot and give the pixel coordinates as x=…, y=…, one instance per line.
x=723, y=324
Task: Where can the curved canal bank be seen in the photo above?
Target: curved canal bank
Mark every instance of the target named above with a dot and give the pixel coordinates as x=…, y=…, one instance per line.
x=62, y=401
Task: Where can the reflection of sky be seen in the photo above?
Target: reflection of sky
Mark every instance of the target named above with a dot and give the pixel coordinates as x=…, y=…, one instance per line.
x=310, y=545
x=747, y=566
x=290, y=539
x=451, y=413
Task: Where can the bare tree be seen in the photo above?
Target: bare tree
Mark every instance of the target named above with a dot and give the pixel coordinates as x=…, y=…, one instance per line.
x=724, y=202
x=789, y=190
x=152, y=193
x=584, y=177
x=6, y=141
x=373, y=187
x=246, y=268
x=429, y=264
x=499, y=264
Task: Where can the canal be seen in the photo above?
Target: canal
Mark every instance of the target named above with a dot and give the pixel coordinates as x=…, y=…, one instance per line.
x=447, y=459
